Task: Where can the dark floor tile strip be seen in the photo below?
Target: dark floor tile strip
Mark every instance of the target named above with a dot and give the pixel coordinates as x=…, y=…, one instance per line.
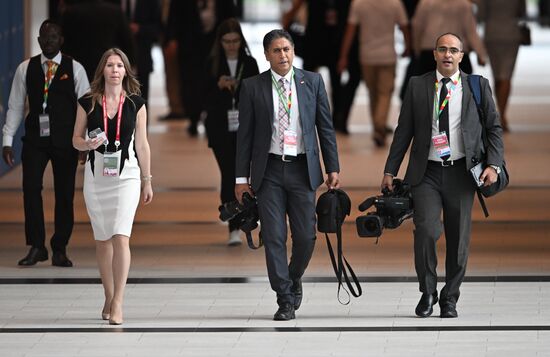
x=249, y=280
x=273, y=329
x=542, y=222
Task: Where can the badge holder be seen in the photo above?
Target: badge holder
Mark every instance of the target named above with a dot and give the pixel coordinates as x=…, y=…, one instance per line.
x=441, y=145
x=290, y=147
x=44, y=121
x=233, y=119
x=111, y=161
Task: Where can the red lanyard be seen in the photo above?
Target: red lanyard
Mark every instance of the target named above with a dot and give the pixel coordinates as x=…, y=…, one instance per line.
x=119, y=118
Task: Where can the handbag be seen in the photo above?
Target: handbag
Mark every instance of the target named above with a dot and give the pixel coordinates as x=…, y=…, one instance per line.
x=525, y=34
x=503, y=177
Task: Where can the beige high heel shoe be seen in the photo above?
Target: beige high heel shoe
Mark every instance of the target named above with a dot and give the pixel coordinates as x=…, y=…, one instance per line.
x=105, y=315
x=106, y=312
x=112, y=321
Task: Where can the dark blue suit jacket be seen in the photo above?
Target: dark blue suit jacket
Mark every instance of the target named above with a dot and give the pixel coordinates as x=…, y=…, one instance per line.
x=256, y=122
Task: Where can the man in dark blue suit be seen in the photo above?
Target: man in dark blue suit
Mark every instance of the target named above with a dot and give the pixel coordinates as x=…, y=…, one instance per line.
x=281, y=113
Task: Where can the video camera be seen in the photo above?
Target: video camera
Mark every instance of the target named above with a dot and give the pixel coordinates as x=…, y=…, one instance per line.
x=392, y=208
x=246, y=213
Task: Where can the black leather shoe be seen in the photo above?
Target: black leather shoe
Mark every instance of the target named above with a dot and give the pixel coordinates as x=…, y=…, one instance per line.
x=34, y=256
x=59, y=259
x=425, y=305
x=285, y=312
x=298, y=293
x=448, y=310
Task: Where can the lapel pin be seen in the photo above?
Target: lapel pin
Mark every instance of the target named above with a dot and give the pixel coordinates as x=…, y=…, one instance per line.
x=301, y=82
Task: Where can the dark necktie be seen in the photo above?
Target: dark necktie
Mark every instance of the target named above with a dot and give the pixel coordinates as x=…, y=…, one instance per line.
x=444, y=115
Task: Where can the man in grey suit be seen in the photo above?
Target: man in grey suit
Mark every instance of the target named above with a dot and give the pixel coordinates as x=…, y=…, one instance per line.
x=281, y=113
x=439, y=115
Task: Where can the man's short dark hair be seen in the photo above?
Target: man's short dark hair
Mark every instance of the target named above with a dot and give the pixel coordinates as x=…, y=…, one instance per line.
x=452, y=34
x=52, y=23
x=274, y=35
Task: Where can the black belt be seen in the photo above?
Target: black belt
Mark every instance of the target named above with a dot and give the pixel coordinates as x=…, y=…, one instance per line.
x=288, y=158
x=447, y=163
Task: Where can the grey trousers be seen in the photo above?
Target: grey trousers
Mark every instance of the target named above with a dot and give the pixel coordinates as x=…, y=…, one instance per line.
x=451, y=190
x=285, y=190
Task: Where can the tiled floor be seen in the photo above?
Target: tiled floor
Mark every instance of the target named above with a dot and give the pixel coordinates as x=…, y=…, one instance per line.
x=191, y=295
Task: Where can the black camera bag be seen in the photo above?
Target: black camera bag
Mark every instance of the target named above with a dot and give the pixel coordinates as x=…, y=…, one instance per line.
x=332, y=208
x=503, y=176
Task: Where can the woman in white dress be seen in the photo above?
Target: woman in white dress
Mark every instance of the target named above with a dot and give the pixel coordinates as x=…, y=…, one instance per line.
x=110, y=122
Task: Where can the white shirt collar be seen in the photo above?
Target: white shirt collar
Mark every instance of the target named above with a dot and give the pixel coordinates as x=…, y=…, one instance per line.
x=454, y=77
x=56, y=59
x=288, y=76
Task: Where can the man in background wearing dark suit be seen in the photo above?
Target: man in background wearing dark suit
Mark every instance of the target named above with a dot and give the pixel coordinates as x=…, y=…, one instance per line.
x=282, y=112
x=91, y=27
x=52, y=82
x=144, y=19
x=440, y=116
x=192, y=26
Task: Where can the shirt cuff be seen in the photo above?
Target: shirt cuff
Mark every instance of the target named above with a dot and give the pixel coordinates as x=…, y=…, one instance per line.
x=388, y=174
x=7, y=140
x=241, y=180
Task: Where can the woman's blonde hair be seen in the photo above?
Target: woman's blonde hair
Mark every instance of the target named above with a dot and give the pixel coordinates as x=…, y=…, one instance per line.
x=130, y=84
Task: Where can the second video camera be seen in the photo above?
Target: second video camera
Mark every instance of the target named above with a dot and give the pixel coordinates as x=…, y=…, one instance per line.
x=392, y=208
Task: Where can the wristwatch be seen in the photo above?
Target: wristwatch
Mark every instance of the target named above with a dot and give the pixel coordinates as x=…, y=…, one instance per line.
x=497, y=169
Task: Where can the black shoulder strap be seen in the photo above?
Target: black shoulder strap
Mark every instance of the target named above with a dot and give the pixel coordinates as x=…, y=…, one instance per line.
x=340, y=268
x=474, y=81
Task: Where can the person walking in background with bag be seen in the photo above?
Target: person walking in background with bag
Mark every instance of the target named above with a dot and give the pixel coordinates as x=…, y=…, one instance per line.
x=230, y=62
x=502, y=37
x=447, y=142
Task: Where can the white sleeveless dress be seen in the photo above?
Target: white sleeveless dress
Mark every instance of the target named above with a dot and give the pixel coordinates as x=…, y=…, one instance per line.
x=112, y=201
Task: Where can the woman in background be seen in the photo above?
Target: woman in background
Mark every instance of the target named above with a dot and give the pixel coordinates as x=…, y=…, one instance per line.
x=502, y=39
x=114, y=117
x=229, y=63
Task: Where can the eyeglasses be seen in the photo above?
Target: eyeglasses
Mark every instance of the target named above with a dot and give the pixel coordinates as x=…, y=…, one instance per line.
x=231, y=42
x=443, y=50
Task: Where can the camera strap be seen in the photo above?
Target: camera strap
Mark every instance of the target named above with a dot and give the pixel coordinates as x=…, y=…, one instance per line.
x=339, y=267
x=250, y=241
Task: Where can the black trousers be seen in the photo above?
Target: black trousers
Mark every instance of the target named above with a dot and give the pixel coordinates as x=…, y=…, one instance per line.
x=285, y=189
x=451, y=190
x=225, y=157
x=64, y=162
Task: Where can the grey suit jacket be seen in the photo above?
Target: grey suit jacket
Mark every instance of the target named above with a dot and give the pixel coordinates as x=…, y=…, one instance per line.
x=256, y=121
x=415, y=124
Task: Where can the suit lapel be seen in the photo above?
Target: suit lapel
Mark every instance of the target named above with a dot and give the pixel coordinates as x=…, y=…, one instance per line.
x=268, y=96
x=466, y=97
x=303, y=98
x=430, y=95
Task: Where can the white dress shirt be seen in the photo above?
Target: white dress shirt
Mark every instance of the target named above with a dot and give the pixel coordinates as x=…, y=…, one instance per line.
x=294, y=115
x=455, y=110
x=18, y=94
